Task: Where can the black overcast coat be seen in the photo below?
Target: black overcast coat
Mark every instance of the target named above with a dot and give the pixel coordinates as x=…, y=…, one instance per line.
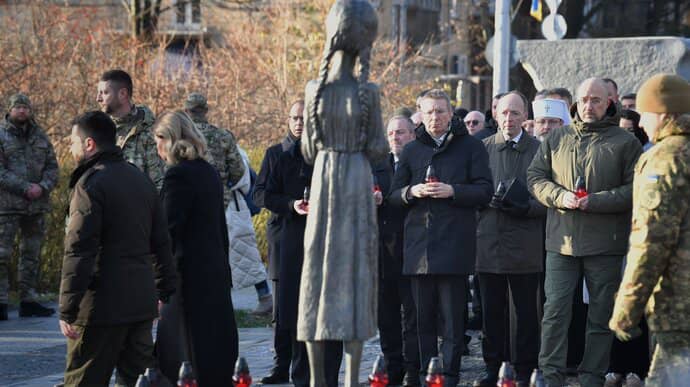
x=440, y=234
x=274, y=225
x=284, y=186
x=199, y=322
x=390, y=220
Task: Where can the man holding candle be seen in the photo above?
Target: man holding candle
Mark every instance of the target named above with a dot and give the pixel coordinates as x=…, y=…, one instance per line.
x=586, y=234
x=440, y=225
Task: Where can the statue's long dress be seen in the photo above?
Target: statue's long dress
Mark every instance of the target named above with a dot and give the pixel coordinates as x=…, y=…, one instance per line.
x=339, y=277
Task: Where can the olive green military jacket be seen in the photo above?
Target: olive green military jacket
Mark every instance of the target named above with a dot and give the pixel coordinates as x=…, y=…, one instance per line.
x=657, y=274
x=605, y=156
x=26, y=157
x=135, y=138
x=225, y=156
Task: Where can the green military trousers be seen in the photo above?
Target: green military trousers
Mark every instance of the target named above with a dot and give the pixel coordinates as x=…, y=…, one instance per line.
x=602, y=275
x=98, y=350
x=671, y=363
x=31, y=229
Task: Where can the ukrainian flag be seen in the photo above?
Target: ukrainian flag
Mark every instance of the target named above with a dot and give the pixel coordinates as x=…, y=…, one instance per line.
x=535, y=10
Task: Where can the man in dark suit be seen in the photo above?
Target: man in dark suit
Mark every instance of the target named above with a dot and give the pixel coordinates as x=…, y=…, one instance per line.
x=282, y=342
x=118, y=261
x=398, y=332
x=510, y=248
x=442, y=178
x=284, y=196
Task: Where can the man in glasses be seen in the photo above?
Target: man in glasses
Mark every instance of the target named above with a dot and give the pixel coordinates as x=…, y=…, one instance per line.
x=474, y=122
x=282, y=339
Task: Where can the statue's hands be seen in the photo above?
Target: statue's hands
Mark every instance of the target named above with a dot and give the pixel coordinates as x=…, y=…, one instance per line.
x=300, y=207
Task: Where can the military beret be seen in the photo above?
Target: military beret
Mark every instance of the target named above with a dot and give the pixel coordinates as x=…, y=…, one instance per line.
x=18, y=99
x=195, y=101
x=664, y=93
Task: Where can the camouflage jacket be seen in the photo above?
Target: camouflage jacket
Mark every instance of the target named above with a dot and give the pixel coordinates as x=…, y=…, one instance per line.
x=138, y=146
x=25, y=158
x=224, y=155
x=657, y=276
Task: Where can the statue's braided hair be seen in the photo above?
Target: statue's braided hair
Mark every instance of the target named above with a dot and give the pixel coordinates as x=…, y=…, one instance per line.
x=323, y=74
x=356, y=30
x=363, y=93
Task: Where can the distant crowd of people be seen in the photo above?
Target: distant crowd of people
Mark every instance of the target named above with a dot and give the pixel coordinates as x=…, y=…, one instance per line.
x=534, y=201
x=530, y=212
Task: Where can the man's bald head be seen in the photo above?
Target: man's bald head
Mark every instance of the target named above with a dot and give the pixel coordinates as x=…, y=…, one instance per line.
x=474, y=121
x=511, y=112
x=592, y=100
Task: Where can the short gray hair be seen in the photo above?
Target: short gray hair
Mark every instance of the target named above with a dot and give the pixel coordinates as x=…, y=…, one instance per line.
x=437, y=94
x=401, y=117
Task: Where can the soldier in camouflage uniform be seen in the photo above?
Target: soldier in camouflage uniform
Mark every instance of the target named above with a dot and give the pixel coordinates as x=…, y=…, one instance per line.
x=222, y=146
x=657, y=276
x=133, y=124
x=28, y=172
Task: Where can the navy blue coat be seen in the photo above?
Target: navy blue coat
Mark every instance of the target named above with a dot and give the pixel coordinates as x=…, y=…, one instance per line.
x=440, y=234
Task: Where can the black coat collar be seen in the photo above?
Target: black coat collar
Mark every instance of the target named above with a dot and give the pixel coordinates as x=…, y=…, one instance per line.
x=457, y=129
x=106, y=155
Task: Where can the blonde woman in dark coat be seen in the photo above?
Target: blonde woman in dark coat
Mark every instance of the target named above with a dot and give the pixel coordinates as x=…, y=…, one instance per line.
x=199, y=322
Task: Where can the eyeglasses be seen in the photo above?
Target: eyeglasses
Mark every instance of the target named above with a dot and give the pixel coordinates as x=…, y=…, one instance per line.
x=472, y=122
x=592, y=100
x=297, y=118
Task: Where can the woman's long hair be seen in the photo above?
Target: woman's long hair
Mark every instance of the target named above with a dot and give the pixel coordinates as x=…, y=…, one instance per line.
x=185, y=142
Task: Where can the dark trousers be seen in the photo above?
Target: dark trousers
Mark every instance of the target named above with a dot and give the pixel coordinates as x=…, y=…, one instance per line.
x=577, y=327
x=300, y=362
x=282, y=339
x=398, y=328
x=441, y=301
x=524, y=344
x=633, y=355
x=98, y=350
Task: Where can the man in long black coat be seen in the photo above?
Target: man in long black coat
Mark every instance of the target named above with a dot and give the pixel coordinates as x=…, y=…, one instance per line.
x=118, y=261
x=441, y=226
x=282, y=342
x=284, y=195
x=398, y=332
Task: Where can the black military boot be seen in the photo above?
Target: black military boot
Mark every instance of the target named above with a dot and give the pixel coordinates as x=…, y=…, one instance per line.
x=3, y=312
x=34, y=309
x=276, y=377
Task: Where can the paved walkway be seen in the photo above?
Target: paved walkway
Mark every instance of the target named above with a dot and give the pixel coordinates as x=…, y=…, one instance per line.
x=32, y=350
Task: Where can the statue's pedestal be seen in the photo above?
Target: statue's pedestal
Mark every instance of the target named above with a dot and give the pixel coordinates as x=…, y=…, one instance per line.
x=628, y=61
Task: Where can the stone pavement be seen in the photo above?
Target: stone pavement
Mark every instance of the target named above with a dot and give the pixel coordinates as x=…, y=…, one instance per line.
x=32, y=350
